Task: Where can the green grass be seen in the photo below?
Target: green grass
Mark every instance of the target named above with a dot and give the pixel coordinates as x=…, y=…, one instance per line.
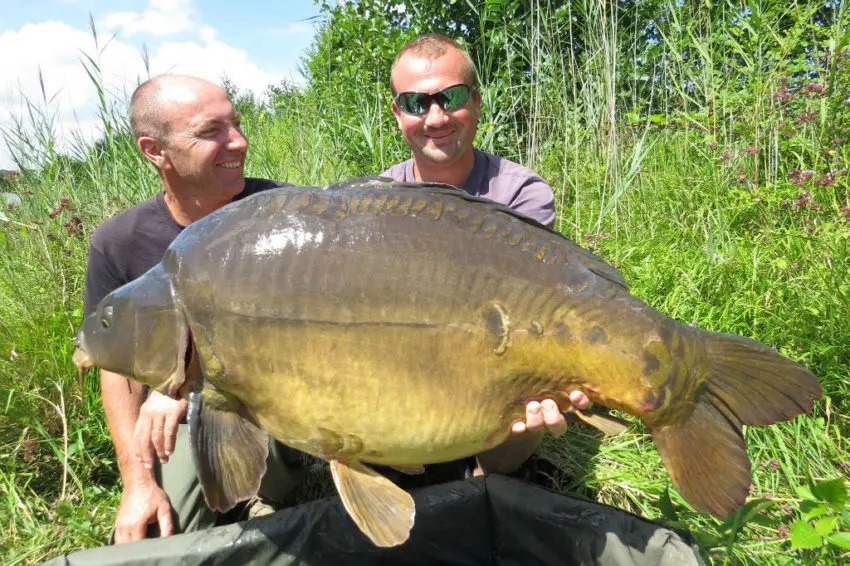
x=662, y=198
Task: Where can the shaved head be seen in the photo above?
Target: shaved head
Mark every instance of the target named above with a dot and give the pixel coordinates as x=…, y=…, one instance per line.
x=149, y=105
x=433, y=46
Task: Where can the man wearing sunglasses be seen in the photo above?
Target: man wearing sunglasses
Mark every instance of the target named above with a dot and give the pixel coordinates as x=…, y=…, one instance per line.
x=437, y=104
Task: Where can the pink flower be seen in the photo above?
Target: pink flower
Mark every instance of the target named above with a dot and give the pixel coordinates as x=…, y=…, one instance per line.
x=827, y=180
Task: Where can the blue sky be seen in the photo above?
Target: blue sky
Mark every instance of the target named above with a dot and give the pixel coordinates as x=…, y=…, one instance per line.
x=254, y=43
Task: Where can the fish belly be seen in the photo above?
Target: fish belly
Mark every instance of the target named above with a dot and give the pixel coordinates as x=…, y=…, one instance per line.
x=388, y=395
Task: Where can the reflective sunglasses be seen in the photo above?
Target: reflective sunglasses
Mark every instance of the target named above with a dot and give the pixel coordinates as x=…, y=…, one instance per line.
x=450, y=98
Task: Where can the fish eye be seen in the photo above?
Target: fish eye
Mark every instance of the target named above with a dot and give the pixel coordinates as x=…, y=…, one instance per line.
x=106, y=317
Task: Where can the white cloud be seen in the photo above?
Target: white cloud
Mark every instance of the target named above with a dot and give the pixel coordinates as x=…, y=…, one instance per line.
x=71, y=96
x=210, y=59
x=160, y=18
x=68, y=97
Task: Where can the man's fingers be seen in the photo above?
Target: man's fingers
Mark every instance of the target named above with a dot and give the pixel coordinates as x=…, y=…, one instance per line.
x=533, y=416
x=552, y=417
x=166, y=525
x=158, y=436
x=169, y=437
x=579, y=400
x=130, y=533
x=547, y=413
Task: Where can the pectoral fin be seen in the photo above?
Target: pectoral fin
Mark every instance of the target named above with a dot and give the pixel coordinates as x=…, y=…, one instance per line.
x=607, y=424
x=229, y=451
x=381, y=509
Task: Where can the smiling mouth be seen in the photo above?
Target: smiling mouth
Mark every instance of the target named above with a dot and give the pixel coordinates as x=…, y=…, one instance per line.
x=231, y=164
x=439, y=136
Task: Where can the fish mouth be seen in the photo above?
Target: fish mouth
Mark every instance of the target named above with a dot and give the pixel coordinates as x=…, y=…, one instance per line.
x=83, y=362
x=81, y=359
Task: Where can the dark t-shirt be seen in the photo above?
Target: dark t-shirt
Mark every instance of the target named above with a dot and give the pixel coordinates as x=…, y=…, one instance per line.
x=124, y=247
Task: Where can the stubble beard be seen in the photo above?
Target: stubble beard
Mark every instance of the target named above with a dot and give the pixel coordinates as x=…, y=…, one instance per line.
x=442, y=154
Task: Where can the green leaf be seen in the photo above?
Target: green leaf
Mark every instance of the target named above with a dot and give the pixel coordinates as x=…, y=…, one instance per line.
x=841, y=540
x=64, y=509
x=833, y=492
x=825, y=525
x=812, y=509
x=743, y=515
x=803, y=535
x=803, y=492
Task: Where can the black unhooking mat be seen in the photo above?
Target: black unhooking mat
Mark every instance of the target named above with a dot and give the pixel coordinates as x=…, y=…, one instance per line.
x=493, y=520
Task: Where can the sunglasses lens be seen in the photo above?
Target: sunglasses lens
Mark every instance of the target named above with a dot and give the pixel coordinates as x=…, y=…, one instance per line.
x=449, y=99
x=454, y=97
x=414, y=102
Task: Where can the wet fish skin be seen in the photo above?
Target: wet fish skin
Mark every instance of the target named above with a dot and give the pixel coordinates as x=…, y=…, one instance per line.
x=405, y=325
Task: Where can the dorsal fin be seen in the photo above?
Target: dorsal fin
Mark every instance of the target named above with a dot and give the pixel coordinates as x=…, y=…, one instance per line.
x=590, y=261
x=384, y=182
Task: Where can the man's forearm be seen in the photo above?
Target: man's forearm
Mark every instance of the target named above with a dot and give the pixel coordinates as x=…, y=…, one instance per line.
x=511, y=454
x=121, y=401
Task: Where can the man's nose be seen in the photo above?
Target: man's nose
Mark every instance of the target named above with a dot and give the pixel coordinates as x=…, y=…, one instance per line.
x=237, y=140
x=436, y=116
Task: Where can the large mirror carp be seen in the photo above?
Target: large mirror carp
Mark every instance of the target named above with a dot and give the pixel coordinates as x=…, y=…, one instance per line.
x=375, y=322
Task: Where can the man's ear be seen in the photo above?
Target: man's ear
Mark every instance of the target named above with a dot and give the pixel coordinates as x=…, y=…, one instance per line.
x=476, y=96
x=152, y=150
x=396, y=113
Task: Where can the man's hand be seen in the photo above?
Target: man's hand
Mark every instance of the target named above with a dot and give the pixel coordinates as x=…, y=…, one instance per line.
x=156, y=427
x=546, y=413
x=140, y=507
x=527, y=434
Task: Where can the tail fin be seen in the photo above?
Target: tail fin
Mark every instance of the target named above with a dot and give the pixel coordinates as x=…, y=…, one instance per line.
x=756, y=383
x=750, y=384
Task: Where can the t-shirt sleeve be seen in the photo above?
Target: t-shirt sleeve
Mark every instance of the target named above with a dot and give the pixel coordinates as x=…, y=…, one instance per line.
x=536, y=200
x=100, y=279
x=396, y=173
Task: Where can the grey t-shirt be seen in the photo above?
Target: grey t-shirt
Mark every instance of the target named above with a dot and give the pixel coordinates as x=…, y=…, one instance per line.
x=500, y=180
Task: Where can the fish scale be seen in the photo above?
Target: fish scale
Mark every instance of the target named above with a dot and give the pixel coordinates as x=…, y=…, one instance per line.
x=407, y=324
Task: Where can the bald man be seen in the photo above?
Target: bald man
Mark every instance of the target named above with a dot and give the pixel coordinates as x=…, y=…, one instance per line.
x=188, y=129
